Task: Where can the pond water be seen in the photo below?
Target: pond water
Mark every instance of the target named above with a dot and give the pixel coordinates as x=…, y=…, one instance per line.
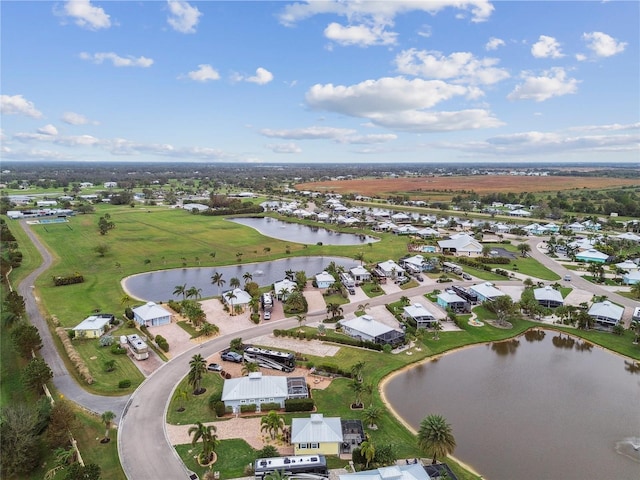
x=541, y=406
x=159, y=286
x=305, y=234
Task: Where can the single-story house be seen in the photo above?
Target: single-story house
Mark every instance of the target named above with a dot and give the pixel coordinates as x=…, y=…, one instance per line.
x=360, y=274
x=450, y=299
x=419, y=313
x=151, y=315
x=316, y=434
x=631, y=278
x=411, y=471
x=636, y=315
x=592, y=255
x=606, y=314
x=486, y=291
x=428, y=232
x=93, y=326
x=391, y=269
x=628, y=236
x=324, y=280
x=628, y=265
x=368, y=329
x=413, y=264
x=236, y=298
x=256, y=389
x=284, y=288
x=519, y=212
x=548, y=297
x=190, y=207
x=462, y=244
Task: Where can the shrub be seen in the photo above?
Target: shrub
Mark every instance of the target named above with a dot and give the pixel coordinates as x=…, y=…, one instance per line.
x=299, y=405
x=118, y=350
x=268, y=406
x=106, y=340
x=163, y=344
x=70, y=280
x=219, y=408
x=250, y=408
x=131, y=323
x=124, y=383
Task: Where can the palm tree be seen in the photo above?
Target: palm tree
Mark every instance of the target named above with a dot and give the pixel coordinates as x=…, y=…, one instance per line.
x=272, y=423
x=62, y=459
x=290, y=274
x=206, y=433
x=359, y=257
x=372, y=415
x=363, y=307
x=254, y=304
x=234, y=282
x=180, y=290
x=301, y=319
x=249, y=367
x=435, y=437
x=125, y=300
x=194, y=292
x=230, y=296
x=197, y=368
x=216, y=279
x=635, y=290
x=247, y=277
x=334, y=309
x=404, y=300
x=182, y=396
x=358, y=389
x=635, y=328
x=107, y=417
x=436, y=328
x=368, y=451
x=356, y=371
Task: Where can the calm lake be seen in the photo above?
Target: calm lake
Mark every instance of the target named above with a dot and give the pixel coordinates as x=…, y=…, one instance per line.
x=542, y=406
x=305, y=234
x=159, y=286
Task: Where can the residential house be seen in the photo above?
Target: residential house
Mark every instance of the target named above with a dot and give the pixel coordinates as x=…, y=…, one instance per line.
x=519, y=213
x=628, y=236
x=486, y=291
x=236, y=299
x=151, y=315
x=284, y=288
x=360, y=274
x=548, y=297
x=93, y=326
x=390, y=270
x=414, y=264
x=631, y=278
x=636, y=315
x=316, y=434
x=606, y=314
x=256, y=389
x=450, y=299
x=324, y=280
x=367, y=329
x=420, y=314
x=461, y=244
x=628, y=266
x=428, y=232
x=409, y=471
x=592, y=255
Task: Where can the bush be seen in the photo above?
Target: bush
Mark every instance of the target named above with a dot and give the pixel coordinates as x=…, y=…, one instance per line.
x=124, y=383
x=250, y=408
x=118, y=350
x=163, y=344
x=268, y=406
x=299, y=405
x=131, y=323
x=70, y=280
x=219, y=408
x=106, y=340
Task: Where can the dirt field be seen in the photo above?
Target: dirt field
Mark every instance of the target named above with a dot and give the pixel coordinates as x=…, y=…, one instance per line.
x=481, y=184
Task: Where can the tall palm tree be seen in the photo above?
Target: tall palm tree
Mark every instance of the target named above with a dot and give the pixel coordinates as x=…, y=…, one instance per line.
x=247, y=277
x=234, y=282
x=356, y=371
x=125, y=300
x=216, y=279
x=435, y=437
x=358, y=389
x=230, y=296
x=180, y=290
x=290, y=274
x=368, y=451
x=436, y=329
x=107, y=417
x=272, y=423
x=206, y=433
x=301, y=319
x=249, y=367
x=197, y=368
x=359, y=257
x=194, y=292
x=334, y=309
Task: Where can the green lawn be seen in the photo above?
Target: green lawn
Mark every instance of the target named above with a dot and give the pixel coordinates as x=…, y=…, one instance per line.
x=233, y=456
x=197, y=407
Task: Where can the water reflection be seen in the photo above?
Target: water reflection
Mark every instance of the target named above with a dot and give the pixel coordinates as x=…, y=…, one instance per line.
x=508, y=347
x=632, y=367
x=534, y=335
x=568, y=342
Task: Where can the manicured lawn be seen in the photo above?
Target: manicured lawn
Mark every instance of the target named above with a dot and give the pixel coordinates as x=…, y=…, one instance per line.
x=187, y=327
x=336, y=298
x=233, y=457
x=372, y=290
x=197, y=407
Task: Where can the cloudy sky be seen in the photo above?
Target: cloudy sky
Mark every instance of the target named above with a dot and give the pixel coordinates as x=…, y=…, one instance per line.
x=322, y=82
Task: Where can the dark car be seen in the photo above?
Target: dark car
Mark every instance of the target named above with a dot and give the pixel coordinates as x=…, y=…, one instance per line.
x=231, y=357
x=419, y=278
x=214, y=367
x=466, y=276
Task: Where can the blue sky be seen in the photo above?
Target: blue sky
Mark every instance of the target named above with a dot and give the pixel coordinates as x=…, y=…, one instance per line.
x=321, y=82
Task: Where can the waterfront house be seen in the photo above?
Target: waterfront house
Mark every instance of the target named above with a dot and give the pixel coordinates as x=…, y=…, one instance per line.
x=408, y=471
x=450, y=299
x=360, y=274
x=284, y=288
x=151, y=315
x=236, y=299
x=390, y=270
x=367, y=329
x=316, y=434
x=256, y=389
x=486, y=291
x=419, y=314
x=606, y=314
x=324, y=280
x=548, y=297
x=461, y=244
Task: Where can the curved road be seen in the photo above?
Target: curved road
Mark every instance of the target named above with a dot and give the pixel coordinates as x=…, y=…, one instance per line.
x=142, y=442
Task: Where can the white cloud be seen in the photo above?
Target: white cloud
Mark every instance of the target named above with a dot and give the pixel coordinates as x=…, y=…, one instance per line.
x=494, y=43
x=205, y=73
x=546, y=47
x=18, y=105
x=183, y=17
x=116, y=60
x=603, y=45
x=462, y=66
x=359, y=35
x=424, y=122
x=369, y=139
x=581, y=57
x=86, y=15
x=262, y=76
x=309, y=133
x=284, y=148
x=607, y=128
x=73, y=118
x=48, y=130
x=553, y=83
x=425, y=31
x=381, y=13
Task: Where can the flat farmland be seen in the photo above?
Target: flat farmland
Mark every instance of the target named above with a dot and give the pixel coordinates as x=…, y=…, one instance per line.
x=480, y=184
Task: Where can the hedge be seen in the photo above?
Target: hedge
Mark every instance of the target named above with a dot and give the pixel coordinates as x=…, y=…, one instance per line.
x=252, y=407
x=299, y=405
x=70, y=280
x=268, y=406
x=124, y=384
x=74, y=356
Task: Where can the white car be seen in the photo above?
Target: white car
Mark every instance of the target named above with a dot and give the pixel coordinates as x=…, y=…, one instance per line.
x=267, y=315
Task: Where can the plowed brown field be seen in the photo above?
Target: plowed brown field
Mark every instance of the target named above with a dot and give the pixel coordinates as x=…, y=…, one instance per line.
x=481, y=184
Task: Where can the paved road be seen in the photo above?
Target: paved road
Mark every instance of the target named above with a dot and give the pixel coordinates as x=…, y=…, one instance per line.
x=63, y=381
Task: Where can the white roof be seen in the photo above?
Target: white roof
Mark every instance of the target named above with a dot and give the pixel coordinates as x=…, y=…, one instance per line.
x=316, y=428
x=359, y=270
x=486, y=290
x=390, y=266
x=548, y=293
x=413, y=471
x=461, y=242
x=629, y=236
x=241, y=297
x=449, y=296
x=606, y=309
x=92, y=323
x=418, y=310
x=593, y=253
x=254, y=386
x=284, y=286
x=367, y=325
x=325, y=277
x=417, y=260
x=627, y=265
x=150, y=310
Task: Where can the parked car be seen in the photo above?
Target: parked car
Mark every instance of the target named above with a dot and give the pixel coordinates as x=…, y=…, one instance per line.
x=466, y=276
x=567, y=278
x=231, y=357
x=214, y=367
x=267, y=315
x=419, y=278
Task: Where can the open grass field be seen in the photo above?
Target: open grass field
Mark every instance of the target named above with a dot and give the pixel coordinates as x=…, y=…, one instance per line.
x=480, y=184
